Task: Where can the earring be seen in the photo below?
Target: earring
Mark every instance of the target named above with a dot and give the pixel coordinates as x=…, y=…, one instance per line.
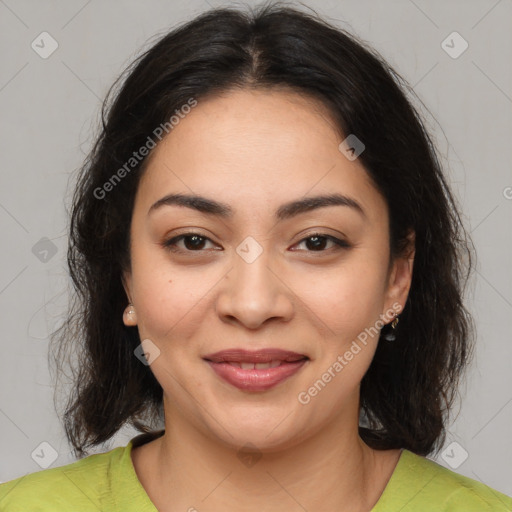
x=129, y=314
x=391, y=336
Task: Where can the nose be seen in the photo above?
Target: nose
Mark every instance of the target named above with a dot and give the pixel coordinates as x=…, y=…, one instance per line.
x=254, y=293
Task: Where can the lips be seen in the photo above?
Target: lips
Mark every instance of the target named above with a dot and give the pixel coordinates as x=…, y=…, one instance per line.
x=255, y=370
x=236, y=355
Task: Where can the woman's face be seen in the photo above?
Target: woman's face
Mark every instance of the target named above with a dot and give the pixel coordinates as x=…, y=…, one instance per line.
x=259, y=274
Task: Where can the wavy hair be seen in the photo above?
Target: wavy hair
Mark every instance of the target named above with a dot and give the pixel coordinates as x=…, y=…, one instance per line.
x=412, y=382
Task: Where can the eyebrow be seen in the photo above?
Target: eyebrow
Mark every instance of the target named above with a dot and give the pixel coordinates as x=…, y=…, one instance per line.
x=285, y=211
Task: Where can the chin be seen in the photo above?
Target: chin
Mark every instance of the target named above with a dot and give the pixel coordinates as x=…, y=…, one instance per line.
x=258, y=430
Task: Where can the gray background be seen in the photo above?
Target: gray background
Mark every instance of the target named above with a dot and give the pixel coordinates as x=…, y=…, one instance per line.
x=49, y=113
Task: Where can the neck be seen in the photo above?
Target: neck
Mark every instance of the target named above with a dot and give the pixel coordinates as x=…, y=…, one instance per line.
x=331, y=470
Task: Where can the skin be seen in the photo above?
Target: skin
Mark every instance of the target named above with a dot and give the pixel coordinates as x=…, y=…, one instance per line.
x=255, y=150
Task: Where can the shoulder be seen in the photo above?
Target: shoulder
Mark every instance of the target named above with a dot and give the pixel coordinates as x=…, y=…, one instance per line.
x=85, y=484
x=430, y=486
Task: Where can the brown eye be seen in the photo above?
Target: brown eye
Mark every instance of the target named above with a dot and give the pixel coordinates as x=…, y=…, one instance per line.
x=194, y=242
x=316, y=243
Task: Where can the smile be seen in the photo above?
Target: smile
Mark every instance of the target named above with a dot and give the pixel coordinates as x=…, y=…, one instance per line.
x=255, y=371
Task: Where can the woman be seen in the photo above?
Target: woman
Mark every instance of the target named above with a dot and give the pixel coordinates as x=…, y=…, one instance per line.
x=268, y=259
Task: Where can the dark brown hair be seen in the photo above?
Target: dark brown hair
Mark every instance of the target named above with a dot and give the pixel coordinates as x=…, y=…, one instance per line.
x=411, y=384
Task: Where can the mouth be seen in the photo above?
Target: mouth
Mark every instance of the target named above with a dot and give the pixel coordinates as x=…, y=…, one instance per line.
x=255, y=370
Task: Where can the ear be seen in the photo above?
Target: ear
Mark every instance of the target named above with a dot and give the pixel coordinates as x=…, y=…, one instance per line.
x=400, y=278
x=129, y=315
x=126, y=280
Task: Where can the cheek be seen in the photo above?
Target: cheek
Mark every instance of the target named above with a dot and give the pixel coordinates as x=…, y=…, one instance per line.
x=346, y=299
x=347, y=304
x=162, y=295
x=169, y=301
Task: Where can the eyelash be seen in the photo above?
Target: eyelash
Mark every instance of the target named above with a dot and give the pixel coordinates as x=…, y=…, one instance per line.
x=171, y=243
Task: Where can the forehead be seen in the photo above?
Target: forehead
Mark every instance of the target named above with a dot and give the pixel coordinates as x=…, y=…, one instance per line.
x=254, y=149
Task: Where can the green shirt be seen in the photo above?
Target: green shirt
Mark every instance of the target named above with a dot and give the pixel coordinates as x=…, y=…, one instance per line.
x=107, y=482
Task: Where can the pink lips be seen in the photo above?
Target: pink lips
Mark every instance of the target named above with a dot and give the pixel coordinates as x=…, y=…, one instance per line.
x=255, y=370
